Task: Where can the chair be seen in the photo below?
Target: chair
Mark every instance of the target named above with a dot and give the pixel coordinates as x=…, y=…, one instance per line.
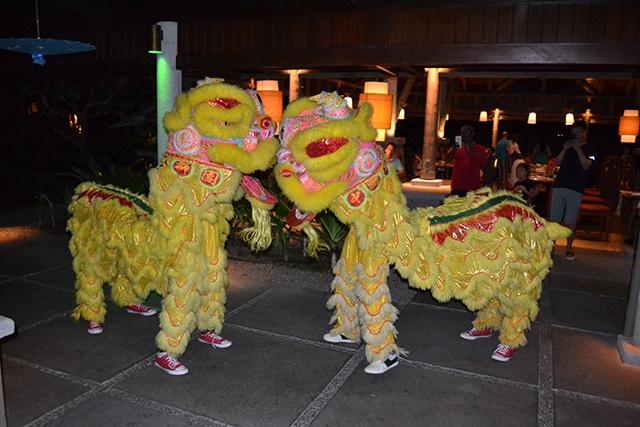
x=600, y=208
x=627, y=173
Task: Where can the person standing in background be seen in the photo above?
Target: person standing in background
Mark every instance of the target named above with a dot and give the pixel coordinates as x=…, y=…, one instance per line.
x=503, y=151
x=389, y=152
x=574, y=161
x=515, y=148
x=468, y=160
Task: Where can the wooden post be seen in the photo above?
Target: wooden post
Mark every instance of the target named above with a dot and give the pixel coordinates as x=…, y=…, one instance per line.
x=430, y=126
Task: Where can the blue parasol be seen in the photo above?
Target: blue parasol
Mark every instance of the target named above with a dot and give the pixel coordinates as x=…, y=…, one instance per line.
x=38, y=47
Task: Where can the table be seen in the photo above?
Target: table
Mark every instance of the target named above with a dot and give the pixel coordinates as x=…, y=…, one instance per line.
x=443, y=169
x=545, y=183
x=634, y=197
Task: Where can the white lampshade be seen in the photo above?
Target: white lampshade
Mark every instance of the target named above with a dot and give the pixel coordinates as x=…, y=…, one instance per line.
x=376, y=87
x=401, y=114
x=267, y=85
x=484, y=117
x=532, y=118
x=569, y=119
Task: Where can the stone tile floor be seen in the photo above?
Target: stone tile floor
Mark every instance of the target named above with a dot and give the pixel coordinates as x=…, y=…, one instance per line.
x=279, y=372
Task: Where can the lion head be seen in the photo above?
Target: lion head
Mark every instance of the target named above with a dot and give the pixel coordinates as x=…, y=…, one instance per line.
x=327, y=149
x=222, y=123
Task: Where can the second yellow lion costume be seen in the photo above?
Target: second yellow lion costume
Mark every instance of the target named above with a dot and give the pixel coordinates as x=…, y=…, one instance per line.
x=490, y=251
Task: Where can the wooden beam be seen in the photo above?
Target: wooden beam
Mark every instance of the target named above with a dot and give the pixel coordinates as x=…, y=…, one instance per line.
x=406, y=91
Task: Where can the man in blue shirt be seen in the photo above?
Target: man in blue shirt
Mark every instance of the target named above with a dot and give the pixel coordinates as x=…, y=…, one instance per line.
x=389, y=151
x=503, y=150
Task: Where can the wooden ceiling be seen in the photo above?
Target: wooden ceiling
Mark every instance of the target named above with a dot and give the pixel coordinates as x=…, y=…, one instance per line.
x=547, y=56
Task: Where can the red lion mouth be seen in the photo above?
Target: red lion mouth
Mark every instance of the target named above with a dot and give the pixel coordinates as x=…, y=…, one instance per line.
x=324, y=146
x=224, y=103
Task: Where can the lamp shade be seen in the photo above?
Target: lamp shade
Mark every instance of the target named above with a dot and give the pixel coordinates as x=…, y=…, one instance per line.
x=629, y=126
x=382, y=104
x=569, y=119
x=376, y=87
x=156, y=40
x=271, y=98
x=483, y=116
x=532, y=118
x=401, y=114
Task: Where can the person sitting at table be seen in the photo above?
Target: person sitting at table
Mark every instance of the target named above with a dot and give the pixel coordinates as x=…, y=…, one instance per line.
x=524, y=184
x=441, y=161
x=541, y=152
x=514, y=166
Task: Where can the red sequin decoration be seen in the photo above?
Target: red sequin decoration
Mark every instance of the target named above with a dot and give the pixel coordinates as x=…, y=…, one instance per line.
x=225, y=103
x=324, y=146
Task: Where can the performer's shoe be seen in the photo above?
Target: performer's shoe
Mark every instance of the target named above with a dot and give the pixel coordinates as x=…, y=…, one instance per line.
x=94, y=328
x=213, y=339
x=382, y=367
x=503, y=353
x=170, y=364
x=337, y=339
x=142, y=310
x=474, y=334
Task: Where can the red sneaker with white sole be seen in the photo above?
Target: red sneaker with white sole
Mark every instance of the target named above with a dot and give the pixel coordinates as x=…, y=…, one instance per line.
x=170, y=364
x=503, y=353
x=474, y=334
x=94, y=328
x=142, y=310
x=215, y=340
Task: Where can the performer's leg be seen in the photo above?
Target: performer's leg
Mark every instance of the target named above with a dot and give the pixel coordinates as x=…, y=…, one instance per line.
x=213, y=283
x=376, y=312
x=93, y=264
x=178, y=319
x=344, y=300
x=490, y=317
x=89, y=297
x=122, y=292
x=517, y=318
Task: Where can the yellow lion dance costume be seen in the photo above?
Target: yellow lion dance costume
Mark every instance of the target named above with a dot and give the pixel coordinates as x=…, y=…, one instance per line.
x=173, y=243
x=491, y=251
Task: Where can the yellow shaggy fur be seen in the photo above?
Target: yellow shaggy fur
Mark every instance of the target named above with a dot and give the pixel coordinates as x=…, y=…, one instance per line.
x=488, y=250
x=173, y=242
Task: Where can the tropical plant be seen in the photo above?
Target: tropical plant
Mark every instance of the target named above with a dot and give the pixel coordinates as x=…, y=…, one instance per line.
x=94, y=121
x=332, y=232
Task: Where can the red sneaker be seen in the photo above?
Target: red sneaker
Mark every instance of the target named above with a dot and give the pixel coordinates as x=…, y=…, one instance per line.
x=170, y=364
x=474, y=334
x=213, y=339
x=142, y=310
x=503, y=353
x=94, y=328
